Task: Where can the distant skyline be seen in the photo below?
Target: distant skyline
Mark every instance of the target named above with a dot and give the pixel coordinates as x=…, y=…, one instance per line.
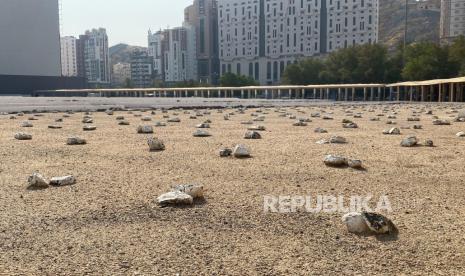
x=126, y=21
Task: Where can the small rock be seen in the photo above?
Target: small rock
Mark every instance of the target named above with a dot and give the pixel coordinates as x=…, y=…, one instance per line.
x=417, y=127
x=225, y=152
x=76, y=141
x=175, y=198
x=55, y=127
x=350, y=125
x=346, y=121
x=123, y=123
x=241, y=151
x=257, y=128
x=429, y=143
x=63, y=180
x=144, y=129
x=23, y=136
x=160, y=124
x=146, y=119
x=392, y=131
x=460, y=134
x=377, y=223
x=299, y=123
x=337, y=140
x=195, y=191
x=367, y=223
x=201, y=133
x=36, y=180
x=354, y=163
x=409, y=141
x=335, y=161
x=155, y=144
x=355, y=223
x=89, y=128
x=252, y=135
x=441, y=122
x=174, y=120
x=26, y=124
x=320, y=130
x=203, y=125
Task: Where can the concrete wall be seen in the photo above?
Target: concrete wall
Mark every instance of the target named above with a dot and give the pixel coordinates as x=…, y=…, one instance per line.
x=29, y=38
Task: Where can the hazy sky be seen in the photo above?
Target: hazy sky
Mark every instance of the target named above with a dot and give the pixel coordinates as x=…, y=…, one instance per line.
x=126, y=21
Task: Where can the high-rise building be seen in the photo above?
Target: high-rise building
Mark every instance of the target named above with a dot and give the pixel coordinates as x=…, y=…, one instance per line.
x=179, y=54
x=69, y=56
x=80, y=55
x=30, y=47
x=155, y=51
x=96, y=58
x=121, y=73
x=141, y=69
x=452, y=19
x=203, y=16
x=260, y=38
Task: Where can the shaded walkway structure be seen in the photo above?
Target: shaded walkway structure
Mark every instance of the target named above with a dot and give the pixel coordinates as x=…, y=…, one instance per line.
x=441, y=90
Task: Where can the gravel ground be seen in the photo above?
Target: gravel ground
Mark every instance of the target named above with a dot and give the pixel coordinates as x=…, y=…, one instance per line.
x=108, y=223
x=47, y=104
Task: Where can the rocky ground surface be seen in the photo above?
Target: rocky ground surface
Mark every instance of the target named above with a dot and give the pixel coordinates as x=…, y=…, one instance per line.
x=108, y=222
x=18, y=104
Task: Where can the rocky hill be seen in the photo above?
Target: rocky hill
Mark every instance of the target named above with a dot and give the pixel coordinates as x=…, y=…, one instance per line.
x=122, y=53
x=422, y=24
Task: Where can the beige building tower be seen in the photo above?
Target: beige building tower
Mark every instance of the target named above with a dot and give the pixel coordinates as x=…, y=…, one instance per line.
x=259, y=38
x=452, y=19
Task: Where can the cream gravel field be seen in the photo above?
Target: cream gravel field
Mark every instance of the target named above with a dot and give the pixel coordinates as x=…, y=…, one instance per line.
x=108, y=223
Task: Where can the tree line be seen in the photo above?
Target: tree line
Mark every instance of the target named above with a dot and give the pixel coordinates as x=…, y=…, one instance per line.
x=372, y=63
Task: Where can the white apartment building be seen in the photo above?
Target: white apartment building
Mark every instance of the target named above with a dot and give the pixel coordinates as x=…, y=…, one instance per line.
x=155, y=51
x=452, y=19
x=179, y=54
x=69, y=56
x=96, y=57
x=259, y=38
x=121, y=72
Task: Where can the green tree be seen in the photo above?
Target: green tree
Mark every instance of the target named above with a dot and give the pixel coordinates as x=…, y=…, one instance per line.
x=426, y=60
x=371, y=64
x=457, y=55
x=305, y=72
x=233, y=80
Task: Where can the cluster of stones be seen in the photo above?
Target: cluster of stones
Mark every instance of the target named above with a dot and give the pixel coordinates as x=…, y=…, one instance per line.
x=412, y=141
x=368, y=223
x=239, y=151
x=37, y=181
x=340, y=161
x=181, y=195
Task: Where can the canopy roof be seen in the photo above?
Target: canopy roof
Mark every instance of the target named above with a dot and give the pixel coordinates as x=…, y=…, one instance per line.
x=428, y=82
